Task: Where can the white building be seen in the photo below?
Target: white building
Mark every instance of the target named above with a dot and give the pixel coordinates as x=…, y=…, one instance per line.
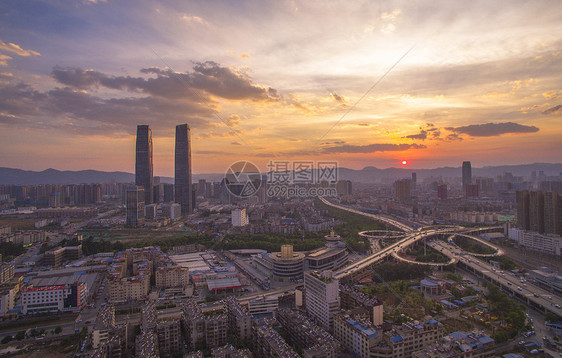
x=53, y=298
x=239, y=217
x=263, y=305
x=550, y=244
x=322, y=298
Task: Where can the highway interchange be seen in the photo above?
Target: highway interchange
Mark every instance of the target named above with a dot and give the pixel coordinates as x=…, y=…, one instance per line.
x=527, y=291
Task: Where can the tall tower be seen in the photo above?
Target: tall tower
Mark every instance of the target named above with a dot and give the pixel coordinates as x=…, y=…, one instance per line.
x=466, y=174
x=143, y=163
x=183, y=195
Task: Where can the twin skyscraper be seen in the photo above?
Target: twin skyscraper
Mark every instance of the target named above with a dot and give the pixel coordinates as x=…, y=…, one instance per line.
x=183, y=194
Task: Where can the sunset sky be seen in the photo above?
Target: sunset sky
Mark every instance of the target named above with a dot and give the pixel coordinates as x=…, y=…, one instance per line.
x=366, y=83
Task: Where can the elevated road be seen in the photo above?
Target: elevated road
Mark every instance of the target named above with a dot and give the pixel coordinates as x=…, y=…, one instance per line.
x=395, y=223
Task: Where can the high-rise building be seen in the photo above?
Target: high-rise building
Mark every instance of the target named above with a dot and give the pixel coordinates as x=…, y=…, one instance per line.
x=442, y=191
x=522, y=199
x=322, y=297
x=143, y=163
x=168, y=190
x=466, y=174
x=402, y=189
x=182, y=183
x=536, y=211
x=552, y=211
x=239, y=217
x=414, y=180
x=134, y=206
x=471, y=191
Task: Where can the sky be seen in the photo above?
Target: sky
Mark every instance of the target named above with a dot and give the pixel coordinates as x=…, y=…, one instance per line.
x=363, y=83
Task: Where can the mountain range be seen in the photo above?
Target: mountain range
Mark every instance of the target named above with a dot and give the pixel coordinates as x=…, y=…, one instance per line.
x=365, y=175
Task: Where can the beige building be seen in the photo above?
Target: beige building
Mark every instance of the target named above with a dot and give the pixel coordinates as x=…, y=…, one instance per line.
x=129, y=288
x=168, y=277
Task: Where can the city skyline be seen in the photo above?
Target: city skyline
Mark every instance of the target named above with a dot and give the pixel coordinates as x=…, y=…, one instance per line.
x=365, y=84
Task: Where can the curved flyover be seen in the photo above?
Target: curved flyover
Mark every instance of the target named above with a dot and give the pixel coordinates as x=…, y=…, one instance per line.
x=498, y=251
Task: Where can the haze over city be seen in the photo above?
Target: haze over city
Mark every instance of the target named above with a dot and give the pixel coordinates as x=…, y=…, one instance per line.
x=259, y=80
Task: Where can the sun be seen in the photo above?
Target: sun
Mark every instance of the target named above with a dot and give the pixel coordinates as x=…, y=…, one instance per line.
x=404, y=162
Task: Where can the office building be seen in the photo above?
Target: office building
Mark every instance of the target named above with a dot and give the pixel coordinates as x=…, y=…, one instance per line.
x=239, y=217
x=466, y=174
x=314, y=341
x=322, y=297
x=182, y=181
x=38, y=299
x=134, y=206
x=143, y=163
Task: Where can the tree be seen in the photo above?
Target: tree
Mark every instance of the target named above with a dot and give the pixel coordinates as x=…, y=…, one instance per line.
x=58, y=329
x=20, y=335
x=6, y=339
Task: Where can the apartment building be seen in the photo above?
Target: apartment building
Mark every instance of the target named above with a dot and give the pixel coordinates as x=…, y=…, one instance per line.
x=322, y=297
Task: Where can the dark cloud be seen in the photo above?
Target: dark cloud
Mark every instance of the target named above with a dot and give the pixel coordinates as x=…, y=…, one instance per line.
x=493, y=129
x=553, y=110
x=83, y=113
x=207, y=78
x=236, y=143
x=453, y=137
x=421, y=135
x=370, y=148
x=337, y=97
x=338, y=142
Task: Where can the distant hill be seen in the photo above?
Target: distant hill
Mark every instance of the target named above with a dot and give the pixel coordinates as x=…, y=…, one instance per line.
x=365, y=175
x=372, y=174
